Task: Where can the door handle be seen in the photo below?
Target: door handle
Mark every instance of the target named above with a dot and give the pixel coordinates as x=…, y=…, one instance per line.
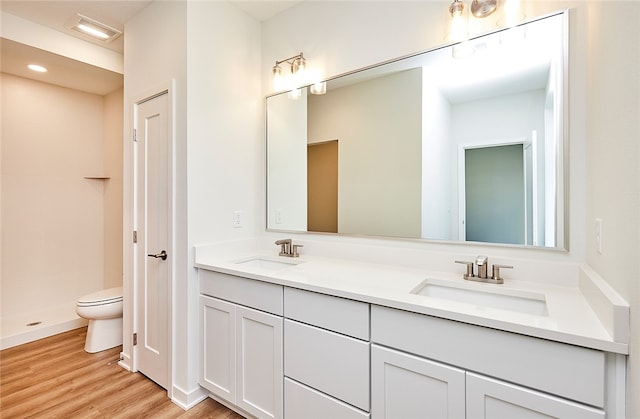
x=162, y=255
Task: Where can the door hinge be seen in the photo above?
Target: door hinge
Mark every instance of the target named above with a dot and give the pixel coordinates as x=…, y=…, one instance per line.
x=135, y=339
x=135, y=236
x=135, y=134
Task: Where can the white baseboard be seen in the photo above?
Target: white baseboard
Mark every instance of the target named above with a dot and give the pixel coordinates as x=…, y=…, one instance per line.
x=125, y=361
x=25, y=328
x=186, y=400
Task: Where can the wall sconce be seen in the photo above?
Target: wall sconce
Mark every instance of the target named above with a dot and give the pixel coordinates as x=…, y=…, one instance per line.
x=296, y=77
x=458, y=30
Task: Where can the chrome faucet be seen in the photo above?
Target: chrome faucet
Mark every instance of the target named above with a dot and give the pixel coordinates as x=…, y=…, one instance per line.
x=482, y=262
x=287, y=248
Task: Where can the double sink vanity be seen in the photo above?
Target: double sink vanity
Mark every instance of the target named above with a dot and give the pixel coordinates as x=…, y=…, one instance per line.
x=322, y=337
x=343, y=329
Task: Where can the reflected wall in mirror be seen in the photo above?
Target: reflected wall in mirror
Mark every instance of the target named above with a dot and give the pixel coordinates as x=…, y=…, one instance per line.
x=462, y=143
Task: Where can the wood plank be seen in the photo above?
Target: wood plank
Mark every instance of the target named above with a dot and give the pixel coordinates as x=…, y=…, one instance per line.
x=55, y=377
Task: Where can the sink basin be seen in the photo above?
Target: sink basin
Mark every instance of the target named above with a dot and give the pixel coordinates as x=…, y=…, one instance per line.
x=475, y=293
x=270, y=264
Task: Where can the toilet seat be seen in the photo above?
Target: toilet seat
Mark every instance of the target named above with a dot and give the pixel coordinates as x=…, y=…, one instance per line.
x=99, y=298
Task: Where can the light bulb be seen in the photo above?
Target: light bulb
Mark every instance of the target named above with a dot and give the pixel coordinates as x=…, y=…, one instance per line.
x=319, y=88
x=298, y=69
x=295, y=93
x=458, y=25
x=512, y=13
x=278, y=80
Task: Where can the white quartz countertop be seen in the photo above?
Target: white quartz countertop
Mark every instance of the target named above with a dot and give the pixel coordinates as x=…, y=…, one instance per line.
x=570, y=315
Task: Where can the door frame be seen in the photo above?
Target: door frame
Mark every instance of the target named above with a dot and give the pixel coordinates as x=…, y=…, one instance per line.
x=128, y=357
x=462, y=203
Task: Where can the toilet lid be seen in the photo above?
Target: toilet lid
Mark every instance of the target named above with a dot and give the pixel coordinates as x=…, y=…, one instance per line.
x=110, y=295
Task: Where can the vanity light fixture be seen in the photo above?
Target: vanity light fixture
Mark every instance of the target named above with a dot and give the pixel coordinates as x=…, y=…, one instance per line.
x=93, y=29
x=296, y=76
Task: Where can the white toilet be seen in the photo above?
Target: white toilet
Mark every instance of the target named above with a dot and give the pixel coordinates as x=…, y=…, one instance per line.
x=103, y=309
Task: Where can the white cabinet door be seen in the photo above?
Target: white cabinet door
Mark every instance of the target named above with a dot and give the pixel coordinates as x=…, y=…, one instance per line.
x=259, y=362
x=404, y=386
x=217, y=346
x=241, y=356
x=493, y=399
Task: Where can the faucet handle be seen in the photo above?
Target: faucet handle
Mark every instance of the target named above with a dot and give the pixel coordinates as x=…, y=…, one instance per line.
x=496, y=272
x=469, y=273
x=294, y=250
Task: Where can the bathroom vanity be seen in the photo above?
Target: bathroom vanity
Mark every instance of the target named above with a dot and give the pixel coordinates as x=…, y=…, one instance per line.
x=315, y=337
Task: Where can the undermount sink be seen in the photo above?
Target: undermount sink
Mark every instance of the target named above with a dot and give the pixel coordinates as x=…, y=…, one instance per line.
x=266, y=263
x=475, y=293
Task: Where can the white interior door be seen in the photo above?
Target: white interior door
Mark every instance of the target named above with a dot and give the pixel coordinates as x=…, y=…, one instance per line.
x=153, y=252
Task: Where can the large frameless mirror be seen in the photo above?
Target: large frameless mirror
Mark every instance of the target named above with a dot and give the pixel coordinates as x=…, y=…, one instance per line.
x=464, y=143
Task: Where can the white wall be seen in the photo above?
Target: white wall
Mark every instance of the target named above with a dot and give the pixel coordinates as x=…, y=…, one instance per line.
x=52, y=217
x=225, y=146
x=613, y=157
x=112, y=202
x=155, y=58
x=211, y=52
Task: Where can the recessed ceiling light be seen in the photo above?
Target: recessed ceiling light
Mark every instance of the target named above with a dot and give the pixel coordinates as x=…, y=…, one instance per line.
x=93, y=29
x=38, y=68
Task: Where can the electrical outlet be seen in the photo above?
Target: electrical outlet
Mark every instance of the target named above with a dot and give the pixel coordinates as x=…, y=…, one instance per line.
x=599, y=235
x=237, y=219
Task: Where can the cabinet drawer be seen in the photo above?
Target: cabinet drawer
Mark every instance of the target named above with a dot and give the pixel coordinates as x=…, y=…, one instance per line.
x=565, y=370
x=302, y=402
x=247, y=292
x=334, y=313
x=334, y=364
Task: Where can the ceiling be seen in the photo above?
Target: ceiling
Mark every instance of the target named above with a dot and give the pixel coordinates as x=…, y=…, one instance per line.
x=81, y=76
x=62, y=71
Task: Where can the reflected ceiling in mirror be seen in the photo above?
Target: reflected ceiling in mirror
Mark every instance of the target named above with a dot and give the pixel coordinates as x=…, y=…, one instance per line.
x=463, y=143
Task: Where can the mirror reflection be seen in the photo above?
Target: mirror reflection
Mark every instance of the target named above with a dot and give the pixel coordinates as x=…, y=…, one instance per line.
x=463, y=143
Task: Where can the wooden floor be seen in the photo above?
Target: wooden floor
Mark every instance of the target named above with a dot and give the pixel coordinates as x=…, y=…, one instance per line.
x=56, y=378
